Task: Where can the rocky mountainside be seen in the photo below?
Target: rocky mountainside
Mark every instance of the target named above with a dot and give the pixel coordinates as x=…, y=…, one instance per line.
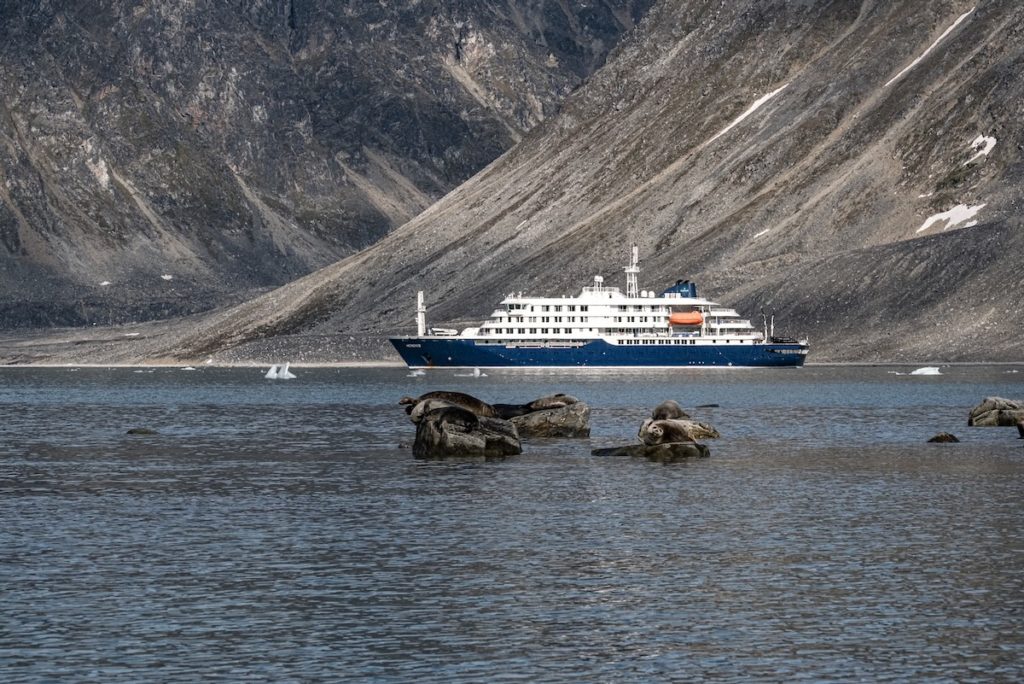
x=854, y=166
x=162, y=157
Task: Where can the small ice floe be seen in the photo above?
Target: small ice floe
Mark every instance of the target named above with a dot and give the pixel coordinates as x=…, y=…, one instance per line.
x=188, y=368
x=983, y=144
x=927, y=370
x=167, y=276
x=279, y=372
x=105, y=283
x=416, y=373
x=477, y=373
x=954, y=216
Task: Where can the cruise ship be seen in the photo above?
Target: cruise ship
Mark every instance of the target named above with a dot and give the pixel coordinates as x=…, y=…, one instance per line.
x=603, y=327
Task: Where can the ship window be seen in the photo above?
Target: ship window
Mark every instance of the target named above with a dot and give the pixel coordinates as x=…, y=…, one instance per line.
x=584, y=308
x=545, y=308
x=558, y=307
x=572, y=307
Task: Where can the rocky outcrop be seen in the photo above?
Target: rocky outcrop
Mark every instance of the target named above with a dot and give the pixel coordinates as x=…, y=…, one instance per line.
x=996, y=411
x=454, y=432
x=570, y=420
x=663, y=453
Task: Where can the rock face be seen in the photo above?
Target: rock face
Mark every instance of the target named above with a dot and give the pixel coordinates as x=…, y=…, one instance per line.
x=855, y=167
x=571, y=420
x=996, y=412
x=164, y=157
x=452, y=432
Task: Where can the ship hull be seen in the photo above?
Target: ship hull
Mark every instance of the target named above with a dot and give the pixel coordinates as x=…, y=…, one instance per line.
x=431, y=352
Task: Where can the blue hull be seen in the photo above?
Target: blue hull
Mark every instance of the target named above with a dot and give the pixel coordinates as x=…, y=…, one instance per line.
x=428, y=352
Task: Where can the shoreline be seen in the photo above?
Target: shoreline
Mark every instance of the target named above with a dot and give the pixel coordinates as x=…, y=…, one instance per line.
x=400, y=364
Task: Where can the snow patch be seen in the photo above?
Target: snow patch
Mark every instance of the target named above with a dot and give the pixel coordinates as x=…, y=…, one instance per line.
x=753, y=108
x=757, y=235
x=983, y=144
x=930, y=47
x=105, y=283
x=954, y=216
x=167, y=276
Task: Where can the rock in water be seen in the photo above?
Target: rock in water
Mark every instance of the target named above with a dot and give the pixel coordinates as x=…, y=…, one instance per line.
x=996, y=412
x=663, y=453
x=1020, y=428
x=453, y=431
x=674, y=430
x=944, y=437
x=142, y=431
x=569, y=420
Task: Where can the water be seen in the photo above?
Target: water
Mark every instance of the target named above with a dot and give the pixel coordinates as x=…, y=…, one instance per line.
x=275, y=531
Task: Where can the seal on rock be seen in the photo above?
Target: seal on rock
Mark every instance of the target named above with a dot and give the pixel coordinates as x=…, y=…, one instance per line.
x=466, y=401
x=665, y=431
x=667, y=410
x=551, y=402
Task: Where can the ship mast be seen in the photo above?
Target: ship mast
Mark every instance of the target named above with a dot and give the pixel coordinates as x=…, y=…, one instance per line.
x=631, y=271
x=421, y=315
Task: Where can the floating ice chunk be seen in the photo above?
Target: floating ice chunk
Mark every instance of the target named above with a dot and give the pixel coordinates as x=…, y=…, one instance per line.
x=167, y=276
x=272, y=373
x=416, y=373
x=753, y=108
x=983, y=144
x=927, y=370
x=284, y=373
x=477, y=373
x=930, y=47
x=957, y=214
x=105, y=283
x=188, y=368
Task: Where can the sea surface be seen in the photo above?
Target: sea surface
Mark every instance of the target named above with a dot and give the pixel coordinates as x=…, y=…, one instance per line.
x=282, y=531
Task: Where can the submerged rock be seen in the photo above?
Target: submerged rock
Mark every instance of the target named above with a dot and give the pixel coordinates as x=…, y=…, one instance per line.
x=142, y=431
x=569, y=420
x=944, y=437
x=452, y=431
x=664, y=453
x=996, y=412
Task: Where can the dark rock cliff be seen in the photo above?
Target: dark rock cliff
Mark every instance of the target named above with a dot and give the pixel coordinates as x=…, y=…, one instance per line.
x=161, y=157
x=854, y=166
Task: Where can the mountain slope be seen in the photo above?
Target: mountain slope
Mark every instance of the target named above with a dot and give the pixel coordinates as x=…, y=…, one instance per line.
x=186, y=154
x=785, y=155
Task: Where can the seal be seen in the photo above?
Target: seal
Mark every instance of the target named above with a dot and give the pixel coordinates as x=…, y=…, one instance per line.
x=466, y=401
x=454, y=416
x=551, y=402
x=668, y=409
x=667, y=431
x=421, y=408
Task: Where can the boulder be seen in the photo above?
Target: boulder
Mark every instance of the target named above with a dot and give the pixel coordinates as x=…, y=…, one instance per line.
x=662, y=453
x=944, y=437
x=996, y=412
x=674, y=430
x=452, y=431
x=569, y=420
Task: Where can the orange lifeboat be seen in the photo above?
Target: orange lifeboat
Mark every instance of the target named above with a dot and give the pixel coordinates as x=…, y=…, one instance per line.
x=686, y=318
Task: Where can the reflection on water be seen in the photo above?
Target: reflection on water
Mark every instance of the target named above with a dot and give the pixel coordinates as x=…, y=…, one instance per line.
x=276, y=531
